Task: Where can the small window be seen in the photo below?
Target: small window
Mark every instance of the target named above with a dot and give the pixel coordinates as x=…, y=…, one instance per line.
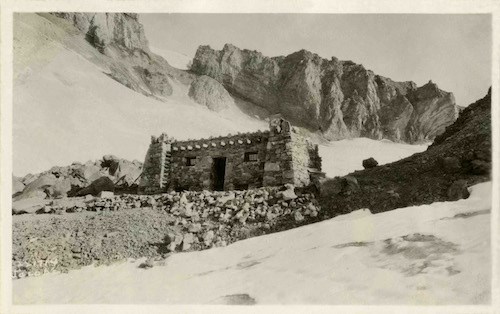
x=190, y=161
x=251, y=156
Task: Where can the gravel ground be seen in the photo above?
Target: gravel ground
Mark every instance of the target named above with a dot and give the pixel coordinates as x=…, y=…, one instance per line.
x=44, y=243
x=77, y=232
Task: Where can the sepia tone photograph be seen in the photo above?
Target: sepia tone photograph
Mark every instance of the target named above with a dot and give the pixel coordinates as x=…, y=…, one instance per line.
x=234, y=159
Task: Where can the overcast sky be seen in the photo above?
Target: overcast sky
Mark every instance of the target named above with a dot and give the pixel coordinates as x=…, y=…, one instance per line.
x=452, y=50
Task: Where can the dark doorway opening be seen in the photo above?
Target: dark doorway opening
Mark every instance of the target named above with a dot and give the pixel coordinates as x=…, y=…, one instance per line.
x=218, y=173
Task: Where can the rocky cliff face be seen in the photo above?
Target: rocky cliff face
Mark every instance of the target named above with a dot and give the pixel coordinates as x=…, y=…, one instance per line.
x=340, y=99
x=104, y=30
x=121, y=37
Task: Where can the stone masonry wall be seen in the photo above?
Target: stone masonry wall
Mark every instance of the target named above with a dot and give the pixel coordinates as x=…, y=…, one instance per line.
x=301, y=160
x=305, y=157
x=278, y=169
x=239, y=174
x=282, y=156
x=156, y=166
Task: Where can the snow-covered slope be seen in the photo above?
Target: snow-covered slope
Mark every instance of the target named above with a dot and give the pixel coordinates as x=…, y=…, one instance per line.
x=430, y=254
x=345, y=156
x=67, y=109
x=175, y=59
x=71, y=111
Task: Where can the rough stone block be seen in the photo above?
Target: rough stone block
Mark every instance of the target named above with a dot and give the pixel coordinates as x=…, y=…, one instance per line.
x=271, y=166
x=106, y=194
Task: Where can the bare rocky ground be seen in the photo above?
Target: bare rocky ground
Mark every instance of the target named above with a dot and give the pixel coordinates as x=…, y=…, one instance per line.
x=81, y=231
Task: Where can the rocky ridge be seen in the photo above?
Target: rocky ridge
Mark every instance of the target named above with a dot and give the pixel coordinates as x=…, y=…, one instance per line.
x=120, y=38
x=340, y=99
x=458, y=158
x=65, y=181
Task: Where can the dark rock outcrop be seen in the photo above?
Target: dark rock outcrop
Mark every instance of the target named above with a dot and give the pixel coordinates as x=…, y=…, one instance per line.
x=339, y=98
x=97, y=186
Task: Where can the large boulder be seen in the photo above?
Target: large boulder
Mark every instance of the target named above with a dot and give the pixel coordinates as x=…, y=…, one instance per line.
x=97, y=186
x=339, y=186
x=350, y=185
x=370, y=163
x=39, y=188
x=46, y=185
x=17, y=185
x=458, y=190
x=27, y=179
x=210, y=93
x=60, y=188
x=111, y=162
x=125, y=172
x=28, y=205
x=128, y=172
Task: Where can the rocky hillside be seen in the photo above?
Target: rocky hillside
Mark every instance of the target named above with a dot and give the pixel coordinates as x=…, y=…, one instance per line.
x=458, y=158
x=340, y=99
x=121, y=37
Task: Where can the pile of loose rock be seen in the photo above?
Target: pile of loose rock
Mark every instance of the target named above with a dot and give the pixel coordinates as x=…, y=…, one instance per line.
x=184, y=221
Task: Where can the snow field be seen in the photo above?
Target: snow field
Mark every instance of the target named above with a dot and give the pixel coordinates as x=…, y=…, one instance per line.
x=429, y=254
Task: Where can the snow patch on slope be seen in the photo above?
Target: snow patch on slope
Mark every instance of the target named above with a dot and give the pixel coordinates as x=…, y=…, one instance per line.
x=175, y=59
x=429, y=254
x=71, y=111
x=343, y=157
x=67, y=109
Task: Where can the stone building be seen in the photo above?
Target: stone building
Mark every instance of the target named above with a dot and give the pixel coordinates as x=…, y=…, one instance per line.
x=233, y=162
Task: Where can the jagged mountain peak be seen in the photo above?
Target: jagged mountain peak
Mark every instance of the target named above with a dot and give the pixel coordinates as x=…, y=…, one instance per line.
x=339, y=99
